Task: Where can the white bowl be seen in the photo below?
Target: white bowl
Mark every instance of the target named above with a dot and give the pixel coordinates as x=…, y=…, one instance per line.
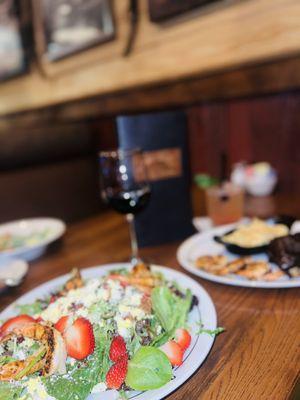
x=25, y=227
x=261, y=187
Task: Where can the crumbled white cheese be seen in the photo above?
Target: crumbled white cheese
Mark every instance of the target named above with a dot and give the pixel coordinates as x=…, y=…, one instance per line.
x=36, y=389
x=124, y=326
x=135, y=312
x=126, y=302
x=100, y=387
x=85, y=296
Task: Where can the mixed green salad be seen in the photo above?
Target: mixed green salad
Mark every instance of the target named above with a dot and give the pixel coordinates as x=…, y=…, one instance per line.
x=123, y=331
x=9, y=241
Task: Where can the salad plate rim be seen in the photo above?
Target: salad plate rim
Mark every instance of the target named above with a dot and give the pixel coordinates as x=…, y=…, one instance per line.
x=170, y=274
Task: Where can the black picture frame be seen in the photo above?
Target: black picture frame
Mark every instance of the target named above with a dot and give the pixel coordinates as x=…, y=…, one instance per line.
x=161, y=10
x=67, y=27
x=16, y=43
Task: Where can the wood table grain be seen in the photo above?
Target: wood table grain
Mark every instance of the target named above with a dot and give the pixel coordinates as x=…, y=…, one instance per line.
x=256, y=358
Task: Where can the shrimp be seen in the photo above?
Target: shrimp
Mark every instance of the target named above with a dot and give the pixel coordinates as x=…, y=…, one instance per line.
x=254, y=270
x=140, y=277
x=50, y=358
x=235, y=265
x=74, y=282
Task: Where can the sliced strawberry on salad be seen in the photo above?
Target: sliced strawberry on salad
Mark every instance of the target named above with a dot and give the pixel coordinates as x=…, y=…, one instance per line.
x=62, y=323
x=79, y=336
x=183, y=338
x=173, y=351
x=16, y=322
x=117, y=348
x=116, y=375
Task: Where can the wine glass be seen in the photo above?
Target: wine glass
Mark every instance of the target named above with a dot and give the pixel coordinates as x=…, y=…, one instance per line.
x=125, y=187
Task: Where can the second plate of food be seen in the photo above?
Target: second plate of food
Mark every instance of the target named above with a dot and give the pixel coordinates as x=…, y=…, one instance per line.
x=202, y=256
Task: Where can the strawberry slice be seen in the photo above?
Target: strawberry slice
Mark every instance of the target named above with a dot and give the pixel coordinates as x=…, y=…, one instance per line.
x=79, y=338
x=183, y=338
x=15, y=322
x=173, y=351
x=117, y=373
x=117, y=348
x=62, y=323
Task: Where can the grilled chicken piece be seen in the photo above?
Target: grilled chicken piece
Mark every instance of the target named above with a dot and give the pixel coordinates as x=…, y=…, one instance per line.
x=235, y=265
x=74, y=282
x=273, y=275
x=140, y=277
x=212, y=264
x=50, y=358
x=141, y=270
x=254, y=270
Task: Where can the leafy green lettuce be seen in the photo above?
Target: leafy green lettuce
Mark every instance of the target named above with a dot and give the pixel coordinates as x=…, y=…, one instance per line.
x=171, y=310
x=81, y=379
x=30, y=309
x=10, y=391
x=148, y=369
x=211, y=332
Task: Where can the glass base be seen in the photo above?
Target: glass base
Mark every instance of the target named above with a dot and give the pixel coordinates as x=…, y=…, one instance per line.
x=135, y=261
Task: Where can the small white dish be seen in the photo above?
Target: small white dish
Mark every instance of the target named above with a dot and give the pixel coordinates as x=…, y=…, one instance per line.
x=261, y=187
x=295, y=228
x=53, y=228
x=12, y=272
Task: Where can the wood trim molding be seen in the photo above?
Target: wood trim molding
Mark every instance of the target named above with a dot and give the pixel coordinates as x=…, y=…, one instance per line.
x=253, y=80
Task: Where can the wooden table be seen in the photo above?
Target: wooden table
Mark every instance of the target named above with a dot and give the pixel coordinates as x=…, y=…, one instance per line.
x=256, y=358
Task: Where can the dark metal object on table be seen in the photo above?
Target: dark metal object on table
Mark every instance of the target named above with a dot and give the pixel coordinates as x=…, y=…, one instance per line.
x=284, y=219
x=287, y=220
x=242, y=251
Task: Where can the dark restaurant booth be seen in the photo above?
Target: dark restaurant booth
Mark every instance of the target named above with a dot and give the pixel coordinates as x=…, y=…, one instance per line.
x=150, y=199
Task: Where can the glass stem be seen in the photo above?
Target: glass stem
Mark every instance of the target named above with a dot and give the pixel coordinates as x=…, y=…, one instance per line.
x=134, y=246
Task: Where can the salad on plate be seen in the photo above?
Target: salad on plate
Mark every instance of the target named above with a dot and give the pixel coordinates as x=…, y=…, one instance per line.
x=123, y=331
x=10, y=241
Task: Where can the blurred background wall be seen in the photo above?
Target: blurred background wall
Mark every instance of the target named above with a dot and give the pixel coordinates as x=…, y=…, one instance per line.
x=233, y=66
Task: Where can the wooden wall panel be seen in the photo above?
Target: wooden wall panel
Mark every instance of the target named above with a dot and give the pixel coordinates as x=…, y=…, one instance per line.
x=52, y=169
x=68, y=189
x=208, y=134
x=258, y=129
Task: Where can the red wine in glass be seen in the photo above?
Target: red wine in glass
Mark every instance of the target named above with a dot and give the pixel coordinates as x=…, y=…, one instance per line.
x=125, y=186
x=129, y=202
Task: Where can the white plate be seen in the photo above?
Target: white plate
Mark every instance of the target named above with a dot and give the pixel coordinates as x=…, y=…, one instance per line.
x=203, y=244
x=26, y=227
x=201, y=344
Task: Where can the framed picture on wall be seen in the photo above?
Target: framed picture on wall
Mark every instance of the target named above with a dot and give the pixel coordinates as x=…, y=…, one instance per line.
x=164, y=9
x=65, y=27
x=13, y=57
